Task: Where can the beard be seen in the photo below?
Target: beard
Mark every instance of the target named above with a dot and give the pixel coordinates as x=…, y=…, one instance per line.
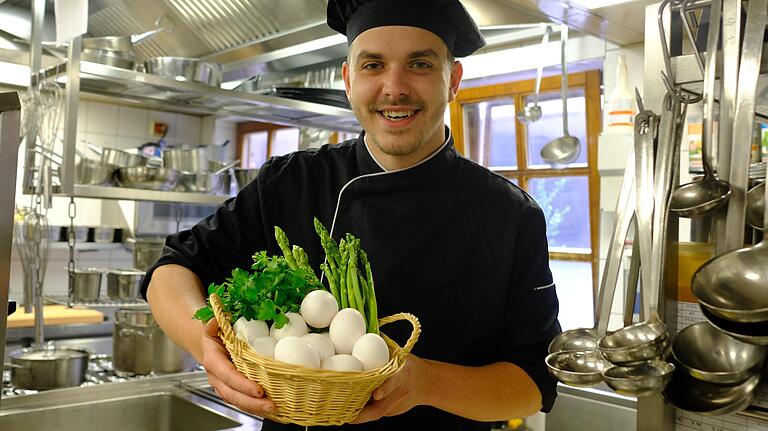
x=397, y=143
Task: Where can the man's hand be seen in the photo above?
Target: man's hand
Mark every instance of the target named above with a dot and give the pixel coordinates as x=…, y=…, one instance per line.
x=400, y=393
x=230, y=384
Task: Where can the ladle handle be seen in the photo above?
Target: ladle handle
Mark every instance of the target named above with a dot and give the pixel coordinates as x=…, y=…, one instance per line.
x=625, y=208
x=564, y=80
x=540, y=68
x=708, y=134
x=645, y=127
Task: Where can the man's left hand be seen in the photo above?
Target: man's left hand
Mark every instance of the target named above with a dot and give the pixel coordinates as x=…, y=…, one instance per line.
x=400, y=393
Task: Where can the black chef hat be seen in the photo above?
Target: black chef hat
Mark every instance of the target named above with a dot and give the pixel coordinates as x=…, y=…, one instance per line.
x=446, y=18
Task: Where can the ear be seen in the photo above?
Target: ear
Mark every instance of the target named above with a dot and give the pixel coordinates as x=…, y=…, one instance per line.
x=345, y=76
x=456, y=73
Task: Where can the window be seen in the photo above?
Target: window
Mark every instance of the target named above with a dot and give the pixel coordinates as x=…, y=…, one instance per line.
x=259, y=141
x=485, y=128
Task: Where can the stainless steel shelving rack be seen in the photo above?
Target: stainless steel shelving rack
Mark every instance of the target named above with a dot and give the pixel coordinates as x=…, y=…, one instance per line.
x=653, y=413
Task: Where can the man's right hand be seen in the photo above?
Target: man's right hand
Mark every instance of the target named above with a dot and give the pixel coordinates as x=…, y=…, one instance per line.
x=231, y=385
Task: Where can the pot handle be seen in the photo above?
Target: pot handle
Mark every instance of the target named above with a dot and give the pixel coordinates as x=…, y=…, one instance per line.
x=7, y=366
x=132, y=332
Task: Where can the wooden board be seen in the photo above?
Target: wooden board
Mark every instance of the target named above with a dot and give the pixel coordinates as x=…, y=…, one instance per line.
x=55, y=315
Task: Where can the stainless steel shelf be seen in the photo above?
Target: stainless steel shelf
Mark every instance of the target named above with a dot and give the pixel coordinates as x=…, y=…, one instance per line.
x=100, y=303
x=123, y=193
x=193, y=97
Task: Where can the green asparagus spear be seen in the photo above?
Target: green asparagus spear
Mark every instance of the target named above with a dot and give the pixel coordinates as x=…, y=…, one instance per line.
x=373, y=318
x=285, y=246
x=332, y=281
x=352, y=290
x=302, y=260
x=343, y=274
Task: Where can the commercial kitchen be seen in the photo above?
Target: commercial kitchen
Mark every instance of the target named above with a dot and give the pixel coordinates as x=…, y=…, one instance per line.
x=638, y=126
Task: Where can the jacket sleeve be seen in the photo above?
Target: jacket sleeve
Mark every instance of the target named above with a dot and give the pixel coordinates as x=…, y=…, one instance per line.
x=220, y=242
x=532, y=308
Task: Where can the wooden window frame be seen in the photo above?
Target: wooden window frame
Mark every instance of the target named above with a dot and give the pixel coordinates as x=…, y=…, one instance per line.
x=518, y=90
x=244, y=129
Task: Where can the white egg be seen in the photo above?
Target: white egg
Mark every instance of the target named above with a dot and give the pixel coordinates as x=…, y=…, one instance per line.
x=318, y=308
x=347, y=326
x=250, y=330
x=296, y=351
x=342, y=363
x=296, y=327
x=264, y=345
x=322, y=345
x=371, y=350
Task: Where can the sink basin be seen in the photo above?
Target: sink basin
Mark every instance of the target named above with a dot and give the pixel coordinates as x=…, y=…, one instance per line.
x=156, y=411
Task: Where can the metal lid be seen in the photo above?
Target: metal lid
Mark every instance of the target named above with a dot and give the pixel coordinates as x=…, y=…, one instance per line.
x=48, y=354
x=87, y=270
x=120, y=271
x=135, y=317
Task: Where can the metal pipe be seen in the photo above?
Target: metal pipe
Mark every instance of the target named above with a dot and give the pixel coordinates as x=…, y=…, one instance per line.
x=10, y=118
x=71, y=104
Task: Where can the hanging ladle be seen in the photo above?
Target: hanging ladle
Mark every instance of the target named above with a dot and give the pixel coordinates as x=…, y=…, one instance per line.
x=734, y=285
x=756, y=206
x=529, y=114
x=565, y=149
x=710, y=192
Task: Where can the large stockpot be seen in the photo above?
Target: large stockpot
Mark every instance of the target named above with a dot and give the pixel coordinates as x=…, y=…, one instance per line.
x=141, y=347
x=124, y=284
x=48, y=368
x=185, y=69
x=189, y=160
x=132, y=346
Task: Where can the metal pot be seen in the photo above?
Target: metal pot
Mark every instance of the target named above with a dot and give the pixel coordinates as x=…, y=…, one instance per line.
x=94, y=172
x=124, y=284
x=147, y=178
x=146, y=251
x=119, y=158
x=132, y=346
x=191, y=160
x=123, y=60
x=185, y=69
x=168, y=357
x=245, y=176
x=48, y=368
x=87, y=284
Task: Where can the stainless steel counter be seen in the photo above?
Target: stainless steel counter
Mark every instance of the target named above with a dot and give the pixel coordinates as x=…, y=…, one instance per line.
x=594, y=409
x=177, y=401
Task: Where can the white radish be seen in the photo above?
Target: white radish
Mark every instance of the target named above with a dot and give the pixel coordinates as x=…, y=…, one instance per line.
x=347, y=326
x=264, y=345
x=296, y=327
x=296, y=351
x=318, y=308
x=250, y=330
x=322, y=345
x=342, y=363
x=371, y=350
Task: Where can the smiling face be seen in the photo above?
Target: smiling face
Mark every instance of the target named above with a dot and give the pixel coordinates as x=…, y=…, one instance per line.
x=399, y=81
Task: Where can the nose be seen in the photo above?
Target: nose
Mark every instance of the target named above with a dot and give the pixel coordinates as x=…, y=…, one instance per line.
x=396, y=84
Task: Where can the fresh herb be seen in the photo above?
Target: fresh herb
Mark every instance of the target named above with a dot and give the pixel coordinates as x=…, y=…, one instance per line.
x=274, y=286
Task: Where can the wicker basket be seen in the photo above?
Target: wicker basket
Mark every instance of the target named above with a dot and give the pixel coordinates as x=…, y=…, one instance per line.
x=312, y=397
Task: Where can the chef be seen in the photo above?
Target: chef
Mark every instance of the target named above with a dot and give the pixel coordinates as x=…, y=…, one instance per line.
x=460, y=247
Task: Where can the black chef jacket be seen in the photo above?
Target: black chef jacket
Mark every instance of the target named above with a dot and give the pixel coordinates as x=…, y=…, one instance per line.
x=458, y=246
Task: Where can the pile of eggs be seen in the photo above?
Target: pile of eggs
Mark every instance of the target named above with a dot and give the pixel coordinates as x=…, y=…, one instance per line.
x=345, y=346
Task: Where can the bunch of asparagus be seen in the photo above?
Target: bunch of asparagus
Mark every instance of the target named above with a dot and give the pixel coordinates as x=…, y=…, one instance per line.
x=349, y=275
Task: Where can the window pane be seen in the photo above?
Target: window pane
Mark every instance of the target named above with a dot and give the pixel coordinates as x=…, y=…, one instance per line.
x=550, y=125
x=574, y=291
x=284, y=141
x=255, y=149
x=489, y=133
x=565, y=202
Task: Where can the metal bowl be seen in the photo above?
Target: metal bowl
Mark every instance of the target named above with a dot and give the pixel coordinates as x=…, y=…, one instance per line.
x=708, y=354
x=709, y=399
x=635, y=344
x=191, y=160
x=245, y=176
x=149, y=178
x=577, y=368
x=94, y=172
x=204, y=182
x=185, y=69
x=641, y=380
x=581, y=339
x=123, y=60
x=753, y=332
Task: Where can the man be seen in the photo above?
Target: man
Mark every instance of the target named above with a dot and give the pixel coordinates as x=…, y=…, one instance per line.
x=456, y=245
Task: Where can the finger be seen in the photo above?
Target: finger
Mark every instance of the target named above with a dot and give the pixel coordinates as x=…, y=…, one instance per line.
x=212, y=329
x=243, y=401
x=224, y=371
x=387, y=387
x=370, y=412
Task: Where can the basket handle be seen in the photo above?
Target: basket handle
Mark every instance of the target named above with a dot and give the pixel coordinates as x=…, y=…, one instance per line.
x=414, y=321
x=218, y=311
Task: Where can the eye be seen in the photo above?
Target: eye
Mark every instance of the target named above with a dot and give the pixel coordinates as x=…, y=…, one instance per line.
x=371, y=66
x=421, y=65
